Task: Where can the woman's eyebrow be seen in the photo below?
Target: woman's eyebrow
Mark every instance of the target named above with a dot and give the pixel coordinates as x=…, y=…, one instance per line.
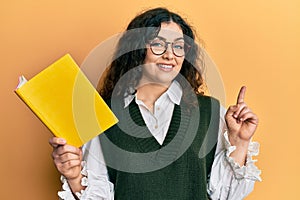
x=164, y=39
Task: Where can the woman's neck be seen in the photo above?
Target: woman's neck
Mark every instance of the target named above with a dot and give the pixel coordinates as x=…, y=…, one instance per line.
x=149, y=93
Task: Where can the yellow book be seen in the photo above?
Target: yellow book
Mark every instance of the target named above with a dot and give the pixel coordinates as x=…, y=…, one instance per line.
x=66, y=102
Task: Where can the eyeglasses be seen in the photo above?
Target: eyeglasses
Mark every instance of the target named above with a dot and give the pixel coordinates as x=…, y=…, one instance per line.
x=159, y=47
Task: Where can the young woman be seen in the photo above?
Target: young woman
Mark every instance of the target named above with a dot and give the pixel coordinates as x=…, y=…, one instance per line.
x=171, y=141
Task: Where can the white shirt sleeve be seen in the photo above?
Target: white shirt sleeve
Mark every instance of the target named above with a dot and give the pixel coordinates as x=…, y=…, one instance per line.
x=96, y=178
x=228, y=180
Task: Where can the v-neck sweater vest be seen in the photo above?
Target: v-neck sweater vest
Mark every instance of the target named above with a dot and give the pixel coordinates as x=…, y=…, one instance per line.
x=141, y=168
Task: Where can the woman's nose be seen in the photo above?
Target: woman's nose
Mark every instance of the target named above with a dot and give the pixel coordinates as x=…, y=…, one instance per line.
x=169, y=52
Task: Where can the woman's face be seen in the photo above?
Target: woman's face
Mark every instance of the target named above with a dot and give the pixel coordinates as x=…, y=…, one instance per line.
x=162, y=69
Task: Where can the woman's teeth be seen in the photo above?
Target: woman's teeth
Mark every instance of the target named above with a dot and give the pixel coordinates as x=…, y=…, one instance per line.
x=166, y=66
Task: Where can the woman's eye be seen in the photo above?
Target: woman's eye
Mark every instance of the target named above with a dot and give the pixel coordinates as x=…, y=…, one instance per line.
x=178, y=46
x=157, y=44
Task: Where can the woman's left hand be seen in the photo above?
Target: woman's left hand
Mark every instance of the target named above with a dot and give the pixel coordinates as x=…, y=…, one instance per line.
x=241, y=121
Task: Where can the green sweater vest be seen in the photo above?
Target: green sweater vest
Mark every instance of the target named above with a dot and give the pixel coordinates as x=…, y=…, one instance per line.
x=176, y=170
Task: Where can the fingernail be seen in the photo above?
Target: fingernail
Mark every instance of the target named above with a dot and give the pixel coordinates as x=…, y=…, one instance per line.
x=63, y=141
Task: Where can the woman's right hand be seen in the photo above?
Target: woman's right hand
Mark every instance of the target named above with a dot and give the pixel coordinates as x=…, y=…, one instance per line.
x=67, y=158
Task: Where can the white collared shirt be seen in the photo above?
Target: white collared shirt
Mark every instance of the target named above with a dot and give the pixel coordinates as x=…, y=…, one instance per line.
x=159, y=121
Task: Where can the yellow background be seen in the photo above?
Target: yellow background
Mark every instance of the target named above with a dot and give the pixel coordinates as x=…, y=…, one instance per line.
x=254, y=43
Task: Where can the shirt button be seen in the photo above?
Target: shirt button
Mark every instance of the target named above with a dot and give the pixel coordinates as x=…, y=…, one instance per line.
x=156, y=126
x=158, y=108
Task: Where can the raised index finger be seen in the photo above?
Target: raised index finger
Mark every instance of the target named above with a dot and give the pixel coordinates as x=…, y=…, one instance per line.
x=241, y=95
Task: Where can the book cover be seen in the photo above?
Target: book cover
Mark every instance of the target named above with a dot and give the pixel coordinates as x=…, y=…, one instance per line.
x=63, y=98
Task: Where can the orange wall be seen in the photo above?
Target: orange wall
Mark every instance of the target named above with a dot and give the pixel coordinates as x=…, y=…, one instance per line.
x=254, y=43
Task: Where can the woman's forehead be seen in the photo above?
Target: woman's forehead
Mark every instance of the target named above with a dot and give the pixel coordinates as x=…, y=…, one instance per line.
x=170, y=31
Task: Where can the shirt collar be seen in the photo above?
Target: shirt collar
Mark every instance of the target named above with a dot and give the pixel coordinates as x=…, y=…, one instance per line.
x=174, y=92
